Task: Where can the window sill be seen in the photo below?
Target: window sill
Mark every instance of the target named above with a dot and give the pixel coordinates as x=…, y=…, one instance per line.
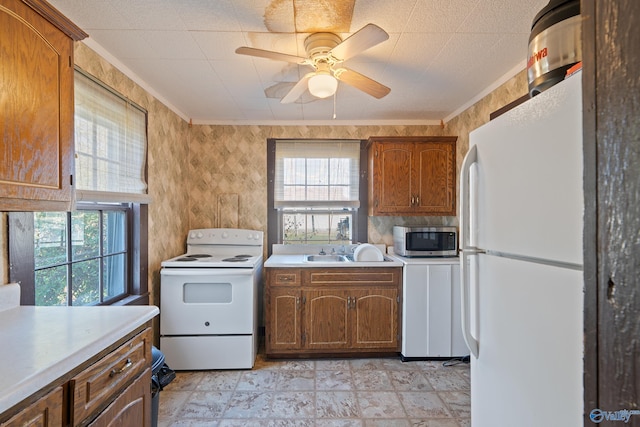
x=133, y=300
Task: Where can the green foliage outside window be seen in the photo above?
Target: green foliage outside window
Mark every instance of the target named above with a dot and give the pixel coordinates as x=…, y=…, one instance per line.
x=77, y=255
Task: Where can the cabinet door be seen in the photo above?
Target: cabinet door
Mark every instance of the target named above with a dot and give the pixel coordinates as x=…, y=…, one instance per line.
x=431, y=316
x=37, y=116
x=283, y=319
x=375, y=318
x=326, y=319
x=131, y=408
x=392, y=186
x=412, y=175
x=46, y=412
x=435, y=172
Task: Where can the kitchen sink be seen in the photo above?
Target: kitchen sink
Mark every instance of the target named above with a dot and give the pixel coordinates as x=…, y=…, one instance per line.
x=326, y=258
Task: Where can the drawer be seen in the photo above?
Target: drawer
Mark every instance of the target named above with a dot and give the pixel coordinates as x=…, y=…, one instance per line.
x=95, y=387
x=284, y=277
x=353, y=276
x=132, y=407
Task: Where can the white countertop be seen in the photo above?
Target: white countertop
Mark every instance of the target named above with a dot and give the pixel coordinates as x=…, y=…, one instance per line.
x=298, y=261
x=40, y=344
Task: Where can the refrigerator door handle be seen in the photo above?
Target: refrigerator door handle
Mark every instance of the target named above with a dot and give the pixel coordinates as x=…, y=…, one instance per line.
x=465, y=311
x=466, y=250
x=465, y=197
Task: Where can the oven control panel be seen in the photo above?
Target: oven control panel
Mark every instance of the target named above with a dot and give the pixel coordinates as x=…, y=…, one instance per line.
x=225, y=236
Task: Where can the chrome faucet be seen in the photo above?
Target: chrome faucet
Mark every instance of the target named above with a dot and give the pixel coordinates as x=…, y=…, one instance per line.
x=322, y=252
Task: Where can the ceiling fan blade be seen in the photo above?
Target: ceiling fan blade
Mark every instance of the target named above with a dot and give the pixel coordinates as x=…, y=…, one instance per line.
x=272, y=55
x=362, y=82
x=297, y=90
x=366, y=37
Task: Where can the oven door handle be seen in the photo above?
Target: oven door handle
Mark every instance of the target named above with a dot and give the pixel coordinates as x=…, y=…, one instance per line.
x=210, y=271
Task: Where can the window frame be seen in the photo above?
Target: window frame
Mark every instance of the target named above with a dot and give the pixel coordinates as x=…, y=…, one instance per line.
x=22, y=257
x=360, y=218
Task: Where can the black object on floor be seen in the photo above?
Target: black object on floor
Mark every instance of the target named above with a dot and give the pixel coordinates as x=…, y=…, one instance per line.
x=161, y=376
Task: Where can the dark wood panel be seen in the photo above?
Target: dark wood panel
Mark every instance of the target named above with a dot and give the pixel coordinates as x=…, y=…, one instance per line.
x=618, y=183
x=611, y=88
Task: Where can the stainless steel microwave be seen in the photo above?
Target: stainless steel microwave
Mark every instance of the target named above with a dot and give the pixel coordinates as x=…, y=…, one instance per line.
x=423, y=241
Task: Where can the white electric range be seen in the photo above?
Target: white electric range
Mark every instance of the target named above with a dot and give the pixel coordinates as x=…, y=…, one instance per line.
x=209, y=300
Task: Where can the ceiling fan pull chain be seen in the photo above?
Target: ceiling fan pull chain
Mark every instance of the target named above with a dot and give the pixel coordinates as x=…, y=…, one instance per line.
x=334, y=104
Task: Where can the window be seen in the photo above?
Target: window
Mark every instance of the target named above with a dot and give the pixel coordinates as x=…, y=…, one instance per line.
x=81, y=257
x=317, y=192
x=96, y=254
x=111, y=144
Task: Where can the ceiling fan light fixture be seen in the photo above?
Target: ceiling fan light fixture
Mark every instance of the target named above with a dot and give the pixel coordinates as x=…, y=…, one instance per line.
x=322, y=85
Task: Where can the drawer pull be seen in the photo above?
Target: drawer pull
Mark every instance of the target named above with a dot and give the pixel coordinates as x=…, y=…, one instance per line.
x=126, y=366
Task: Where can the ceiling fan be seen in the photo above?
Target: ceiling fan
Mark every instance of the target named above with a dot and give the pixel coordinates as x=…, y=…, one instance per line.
x=325, y=53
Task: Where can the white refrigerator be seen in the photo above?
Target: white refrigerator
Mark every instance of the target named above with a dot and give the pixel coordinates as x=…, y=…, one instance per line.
x=521, y=214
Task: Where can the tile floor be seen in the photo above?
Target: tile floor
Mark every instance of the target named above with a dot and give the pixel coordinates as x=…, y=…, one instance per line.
x=322, y=393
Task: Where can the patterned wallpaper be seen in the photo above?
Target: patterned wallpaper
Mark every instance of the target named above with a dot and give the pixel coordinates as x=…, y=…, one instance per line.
x=226, y=179
x=230, y=162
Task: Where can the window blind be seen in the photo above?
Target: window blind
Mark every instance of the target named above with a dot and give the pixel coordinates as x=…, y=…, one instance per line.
x=111, y=145
x=323, y=174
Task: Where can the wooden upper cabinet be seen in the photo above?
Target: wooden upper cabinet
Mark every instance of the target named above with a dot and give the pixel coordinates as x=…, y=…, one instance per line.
x=412, y=176
x=36, y=103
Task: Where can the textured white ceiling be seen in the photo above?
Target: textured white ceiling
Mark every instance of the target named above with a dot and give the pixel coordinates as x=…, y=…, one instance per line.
x=441, y=54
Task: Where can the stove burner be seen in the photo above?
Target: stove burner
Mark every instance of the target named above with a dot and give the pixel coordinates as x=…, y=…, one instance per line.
x=243, y=256
x=187, y=258
x=199, y=255
x=235, y=259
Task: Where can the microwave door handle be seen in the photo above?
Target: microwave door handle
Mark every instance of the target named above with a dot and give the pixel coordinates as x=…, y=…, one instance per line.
x=466, y=250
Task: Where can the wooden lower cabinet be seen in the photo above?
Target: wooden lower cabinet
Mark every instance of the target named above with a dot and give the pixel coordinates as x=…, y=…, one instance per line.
x=112, y=389
x=375, y=324
x=340, y=310
x=131, y=408
x=326, y=319
x=284, y=318
x=45, y=412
